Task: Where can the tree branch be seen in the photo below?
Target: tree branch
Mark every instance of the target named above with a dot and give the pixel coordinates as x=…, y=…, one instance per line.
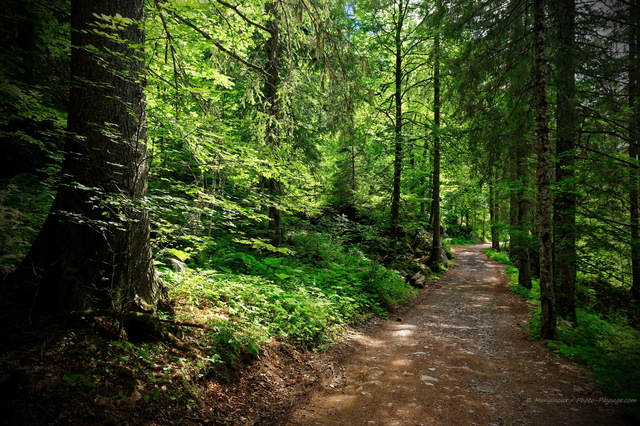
x=243, y=16
x=218, y=45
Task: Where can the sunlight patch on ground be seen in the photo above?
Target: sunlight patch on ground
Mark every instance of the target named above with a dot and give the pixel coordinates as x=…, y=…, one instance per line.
x=368, y=341
x=403, y=333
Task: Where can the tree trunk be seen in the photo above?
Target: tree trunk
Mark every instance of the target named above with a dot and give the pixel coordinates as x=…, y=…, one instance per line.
x=565, y=200
x=436, y=256
x=523, y=257
x=273, y=185
x=513, y=211
x=634, y=130
x=398, y=135
x=547, y=293
x=495, y=236
x=93, y=250
x=521, y=148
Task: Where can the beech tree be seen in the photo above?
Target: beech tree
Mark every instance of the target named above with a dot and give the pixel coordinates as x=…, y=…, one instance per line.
x=93, y=250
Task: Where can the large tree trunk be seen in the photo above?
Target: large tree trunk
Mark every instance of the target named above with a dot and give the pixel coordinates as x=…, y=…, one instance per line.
x=436, y=253
x=93, y=250
x=565, y=199
x=547, y=292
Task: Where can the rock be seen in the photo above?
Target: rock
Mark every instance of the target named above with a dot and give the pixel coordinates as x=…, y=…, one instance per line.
x=444, y=257
x=422, y=240
x=177, y=265
x=418, y=280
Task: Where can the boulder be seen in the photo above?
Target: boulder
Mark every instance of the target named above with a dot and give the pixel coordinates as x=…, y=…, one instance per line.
x=418, y=280
x=177, y=265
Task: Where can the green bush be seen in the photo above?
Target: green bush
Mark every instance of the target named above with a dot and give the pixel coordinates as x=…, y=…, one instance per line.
x=285, y=298
x=304, y=293
x=610, y=349
x=498, y=256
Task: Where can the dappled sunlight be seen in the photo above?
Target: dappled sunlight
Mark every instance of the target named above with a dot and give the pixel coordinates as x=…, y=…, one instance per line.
x=403, y=333
x=401, y=362
x=453, y=360
x=370, y=341
x=341, y=400
x=403, y=326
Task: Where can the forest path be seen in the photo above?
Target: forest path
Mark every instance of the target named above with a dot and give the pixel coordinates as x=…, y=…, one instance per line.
x=458, y=356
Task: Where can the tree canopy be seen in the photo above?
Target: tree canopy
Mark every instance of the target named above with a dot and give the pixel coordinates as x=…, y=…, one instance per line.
x=324, y=154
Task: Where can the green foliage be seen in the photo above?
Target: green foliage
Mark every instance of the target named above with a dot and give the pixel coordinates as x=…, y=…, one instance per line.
x=610, y=348
x=306, y=297
x=246, y=305
x=229, y=341
x=24, y=204
x=461, y=241
x=499, y=256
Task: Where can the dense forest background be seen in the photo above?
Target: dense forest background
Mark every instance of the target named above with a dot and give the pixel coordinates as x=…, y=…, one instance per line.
x=279, y=170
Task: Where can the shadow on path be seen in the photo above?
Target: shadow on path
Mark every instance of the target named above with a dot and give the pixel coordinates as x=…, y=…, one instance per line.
x=458, y=356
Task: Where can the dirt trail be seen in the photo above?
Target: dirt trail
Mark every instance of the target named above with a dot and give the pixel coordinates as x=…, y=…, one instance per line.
x=457, y=357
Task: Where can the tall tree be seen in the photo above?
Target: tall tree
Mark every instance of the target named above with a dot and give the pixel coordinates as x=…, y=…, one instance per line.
x=523, y=207
x=634, y=140
x=271, y=86
x=393, y=29
x=93, y=250
x=436, y=249
x=493, y=215
x=400, y=14
x=547, y=293
x=564, y=219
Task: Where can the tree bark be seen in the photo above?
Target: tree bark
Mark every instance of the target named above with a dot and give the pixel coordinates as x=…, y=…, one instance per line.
x=495, y=236
x=547, y=292
x=93, y=250
x=436, y=253
x=398, y=134
x=273, y=185
x=565, y=199
x=523, y=256
x=634, y=137
x=521, y=149
x=513, y=210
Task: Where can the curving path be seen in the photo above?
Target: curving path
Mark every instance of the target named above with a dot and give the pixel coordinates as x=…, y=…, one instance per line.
x=457, y=357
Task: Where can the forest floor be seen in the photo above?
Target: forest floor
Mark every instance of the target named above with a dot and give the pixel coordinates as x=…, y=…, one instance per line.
x=458, y=355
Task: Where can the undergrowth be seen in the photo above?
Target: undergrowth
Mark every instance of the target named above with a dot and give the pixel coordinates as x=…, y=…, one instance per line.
x=305, y=295
x=461, y=241
x=602, y=341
